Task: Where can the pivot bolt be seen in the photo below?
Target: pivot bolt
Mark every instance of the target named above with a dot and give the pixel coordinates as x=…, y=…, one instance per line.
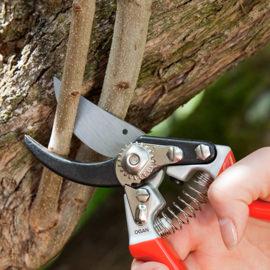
x=134, y=159
x=203, y=151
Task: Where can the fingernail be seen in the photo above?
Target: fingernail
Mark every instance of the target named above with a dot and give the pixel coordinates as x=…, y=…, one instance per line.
x=228, y=232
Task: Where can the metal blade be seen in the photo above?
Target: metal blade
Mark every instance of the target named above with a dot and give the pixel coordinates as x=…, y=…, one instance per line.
x=100, y=130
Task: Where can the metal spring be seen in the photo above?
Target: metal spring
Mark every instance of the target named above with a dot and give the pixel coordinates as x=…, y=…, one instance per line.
x=189, y=201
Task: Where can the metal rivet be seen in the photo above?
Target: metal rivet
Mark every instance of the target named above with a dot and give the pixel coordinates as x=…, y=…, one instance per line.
x=141, y=214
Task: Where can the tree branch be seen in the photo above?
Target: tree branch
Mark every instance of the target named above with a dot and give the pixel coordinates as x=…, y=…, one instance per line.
x=45, y=207
x=130, y=32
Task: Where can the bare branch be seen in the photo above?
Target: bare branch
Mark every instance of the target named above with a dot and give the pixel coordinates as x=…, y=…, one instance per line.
x=45, y=207
x=130, y=32
x=86, y=87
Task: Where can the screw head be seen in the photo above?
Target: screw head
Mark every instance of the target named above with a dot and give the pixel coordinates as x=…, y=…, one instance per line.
x=203, y=151
x=175, y=154
x=142, y=195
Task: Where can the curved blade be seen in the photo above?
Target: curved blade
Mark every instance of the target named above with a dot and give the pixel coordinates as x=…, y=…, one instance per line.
x=101, y=174
x=100, y=130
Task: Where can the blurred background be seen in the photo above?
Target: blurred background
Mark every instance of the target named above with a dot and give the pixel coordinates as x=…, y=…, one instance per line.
x=235, y=111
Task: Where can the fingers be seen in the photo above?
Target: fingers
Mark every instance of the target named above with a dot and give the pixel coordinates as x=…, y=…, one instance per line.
x=235, y=189
x=136, y=265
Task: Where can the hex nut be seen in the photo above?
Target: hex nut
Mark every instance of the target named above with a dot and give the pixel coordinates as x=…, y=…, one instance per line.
x=203, y=151
x=142, y=195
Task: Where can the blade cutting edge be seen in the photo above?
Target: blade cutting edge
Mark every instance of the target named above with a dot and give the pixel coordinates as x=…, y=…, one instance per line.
x=100, y=130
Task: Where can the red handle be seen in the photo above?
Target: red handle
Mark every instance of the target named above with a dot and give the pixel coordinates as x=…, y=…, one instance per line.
x=157, y=250
x=258, y=209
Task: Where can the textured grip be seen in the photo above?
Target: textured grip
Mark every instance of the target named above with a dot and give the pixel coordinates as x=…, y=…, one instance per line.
x=157, y=250
x=258, y=209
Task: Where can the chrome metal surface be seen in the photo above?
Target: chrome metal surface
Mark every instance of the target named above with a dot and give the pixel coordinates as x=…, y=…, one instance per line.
x=100, y=130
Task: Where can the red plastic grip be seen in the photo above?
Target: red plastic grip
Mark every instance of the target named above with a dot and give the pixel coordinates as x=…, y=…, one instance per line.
x=258, y=209
x=157, y=250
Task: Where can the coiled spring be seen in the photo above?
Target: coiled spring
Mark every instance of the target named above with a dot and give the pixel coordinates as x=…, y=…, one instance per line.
x=189, y=201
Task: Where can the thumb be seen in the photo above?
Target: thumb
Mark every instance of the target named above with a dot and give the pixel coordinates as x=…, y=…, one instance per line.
x=232, y=192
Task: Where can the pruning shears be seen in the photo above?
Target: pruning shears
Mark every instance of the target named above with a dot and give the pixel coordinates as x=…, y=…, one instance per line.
x=138, y=163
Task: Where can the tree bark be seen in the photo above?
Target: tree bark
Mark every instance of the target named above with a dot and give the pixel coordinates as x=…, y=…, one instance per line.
x=190, y=43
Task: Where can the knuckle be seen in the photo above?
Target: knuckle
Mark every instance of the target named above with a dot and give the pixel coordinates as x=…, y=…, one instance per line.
x=216, y=193
x=264, y=150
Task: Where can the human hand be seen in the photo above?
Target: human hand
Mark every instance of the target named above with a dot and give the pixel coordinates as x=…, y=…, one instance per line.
x=223, y=236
